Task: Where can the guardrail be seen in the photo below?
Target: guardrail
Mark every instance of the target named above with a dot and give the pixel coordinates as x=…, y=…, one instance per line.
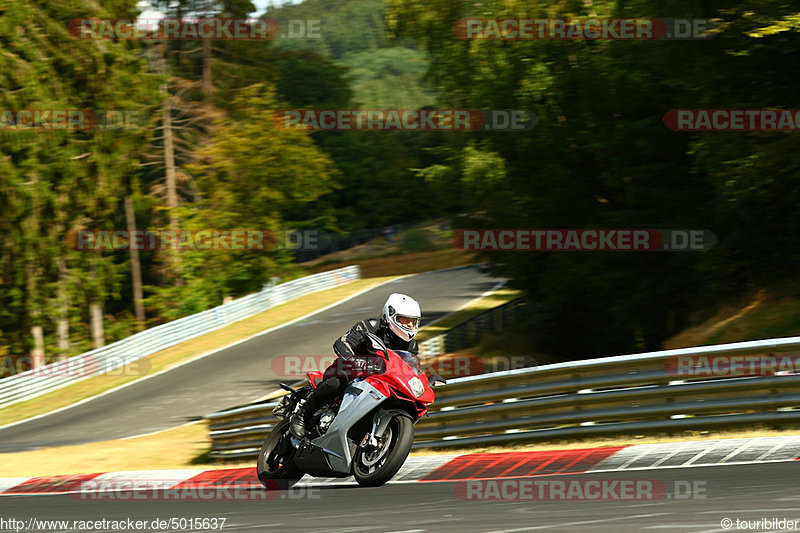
x=33, y=383
x=631, y=394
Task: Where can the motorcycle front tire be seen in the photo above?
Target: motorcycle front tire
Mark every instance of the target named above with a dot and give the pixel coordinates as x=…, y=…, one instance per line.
x=400, y=441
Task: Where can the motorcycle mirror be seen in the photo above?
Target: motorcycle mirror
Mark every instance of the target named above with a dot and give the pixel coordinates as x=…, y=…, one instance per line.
x=434, y=378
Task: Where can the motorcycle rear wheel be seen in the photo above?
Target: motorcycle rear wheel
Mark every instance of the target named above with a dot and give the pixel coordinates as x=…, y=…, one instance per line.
x=275, y=458
x=372, y=467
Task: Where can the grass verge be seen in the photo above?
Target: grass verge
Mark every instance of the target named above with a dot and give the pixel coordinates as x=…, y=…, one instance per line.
x=495, y=299
x=184, y=351
x=174, y=448
x=774, y=318
x=411, y=263
x=763, y=317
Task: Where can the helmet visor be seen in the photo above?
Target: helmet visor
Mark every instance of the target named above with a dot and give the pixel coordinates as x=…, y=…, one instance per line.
x=408, y=322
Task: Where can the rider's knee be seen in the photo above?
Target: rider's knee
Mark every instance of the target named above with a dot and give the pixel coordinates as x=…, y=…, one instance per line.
x=328, y=388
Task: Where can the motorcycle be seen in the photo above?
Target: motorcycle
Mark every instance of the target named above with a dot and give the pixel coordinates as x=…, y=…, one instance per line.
x=367, y=433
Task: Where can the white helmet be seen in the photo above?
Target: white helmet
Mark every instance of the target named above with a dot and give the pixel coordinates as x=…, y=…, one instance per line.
x=401, y=313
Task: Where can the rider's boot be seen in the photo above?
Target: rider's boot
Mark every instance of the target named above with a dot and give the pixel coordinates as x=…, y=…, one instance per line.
x=302, y=420
x=297, y=425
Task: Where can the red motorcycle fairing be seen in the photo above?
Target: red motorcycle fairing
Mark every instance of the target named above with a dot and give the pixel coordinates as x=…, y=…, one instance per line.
x=393, y=382
x=315, y=377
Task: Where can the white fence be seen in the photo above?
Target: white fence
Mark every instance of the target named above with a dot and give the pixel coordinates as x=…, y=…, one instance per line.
x=33, y=383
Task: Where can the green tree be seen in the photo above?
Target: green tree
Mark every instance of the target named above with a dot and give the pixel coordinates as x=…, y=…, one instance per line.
x=601, y=157
x=250, y=176
x=54, y=182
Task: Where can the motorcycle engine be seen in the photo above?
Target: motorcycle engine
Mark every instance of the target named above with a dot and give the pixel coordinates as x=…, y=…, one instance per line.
x=325, y=420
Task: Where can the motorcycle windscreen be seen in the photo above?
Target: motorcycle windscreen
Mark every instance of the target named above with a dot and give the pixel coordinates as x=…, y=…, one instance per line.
x=411, y=360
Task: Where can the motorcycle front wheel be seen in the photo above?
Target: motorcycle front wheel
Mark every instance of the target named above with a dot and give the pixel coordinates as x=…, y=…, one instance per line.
x=375, y=465
x=275, y=458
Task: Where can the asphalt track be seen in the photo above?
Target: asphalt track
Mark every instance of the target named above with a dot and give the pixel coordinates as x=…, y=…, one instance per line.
x=236, y=375
x=746, y=492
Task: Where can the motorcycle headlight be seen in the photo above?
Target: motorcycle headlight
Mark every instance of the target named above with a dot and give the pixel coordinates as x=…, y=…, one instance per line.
x=416, y=386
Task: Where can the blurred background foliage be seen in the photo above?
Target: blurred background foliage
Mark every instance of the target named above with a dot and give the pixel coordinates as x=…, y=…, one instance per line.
x=208, y=156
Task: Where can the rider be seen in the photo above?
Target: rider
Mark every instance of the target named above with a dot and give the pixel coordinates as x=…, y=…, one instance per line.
x=397, y=326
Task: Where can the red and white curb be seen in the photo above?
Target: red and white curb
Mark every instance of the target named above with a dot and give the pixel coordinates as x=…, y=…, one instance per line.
x=441, y=468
